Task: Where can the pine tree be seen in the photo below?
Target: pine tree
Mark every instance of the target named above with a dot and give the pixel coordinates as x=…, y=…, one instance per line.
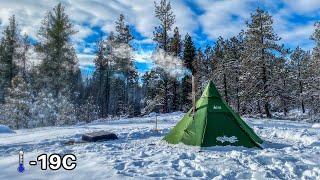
x=175, y=43
x=223, y=67
x=188, y=56
x=23, y=62
x=227, y=69
x=164, y=14
x=199, y=66
x=8, y=57
x=59, y=69
x=175, y=49
x=66, y=111
x=89, y=111
x=17, y=108
x=154, y=89
x=260, y=47
x=282, y=86
x=44, y=110
x=300, y=73
x=166, y=18
x=123, y=70
x=101, y=77
x=314, y=79
x=185, y=94
x=189, y=53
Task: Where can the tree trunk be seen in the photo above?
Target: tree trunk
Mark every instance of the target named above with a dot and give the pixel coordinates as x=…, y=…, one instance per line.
x=302, y=102
x=259, y=109
x=225, y=88
x=165, y=102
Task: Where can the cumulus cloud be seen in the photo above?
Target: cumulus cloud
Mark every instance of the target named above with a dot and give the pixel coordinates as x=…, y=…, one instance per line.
x=224, y=18
x=303, y=6
x=293, y=20
x=215, y=18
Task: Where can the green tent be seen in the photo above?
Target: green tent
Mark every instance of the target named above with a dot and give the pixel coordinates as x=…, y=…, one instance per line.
x=214, y=123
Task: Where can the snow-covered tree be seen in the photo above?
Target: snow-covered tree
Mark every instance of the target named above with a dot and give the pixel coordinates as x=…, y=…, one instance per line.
x=59, y=68
x=166, y=18
x=9, y=44
x=164, y=14
x=259, y=54
x=89, y=111
x=44, y=110
x=300, y=61
x=18, y=104
x=66, y=111
x=314, y=79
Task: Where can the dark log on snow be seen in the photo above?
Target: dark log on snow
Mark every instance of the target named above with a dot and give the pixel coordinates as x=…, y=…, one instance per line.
x=99, y=136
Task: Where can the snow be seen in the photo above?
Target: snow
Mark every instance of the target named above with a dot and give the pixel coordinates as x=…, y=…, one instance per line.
x=5, y=129
x=292, y=151
x=316, y=125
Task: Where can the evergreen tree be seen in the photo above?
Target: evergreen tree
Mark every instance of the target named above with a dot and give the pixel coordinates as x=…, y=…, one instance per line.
x=175, y=43
x=189, y=53
x=59, y=69
x=314, y=79
x=227, y=69
x=282, y=86
x=123, y=71
x=175, y=49
x=101, y=77
x=8, y=58
x=185, y=94
x=164, y=14
x=66, y=111
x=17, y=108
x=166, y=18
x=300, y=73
x=155, y=89
x=199, y=66
x=260, y=48
x=44, y=110
x=89, y=111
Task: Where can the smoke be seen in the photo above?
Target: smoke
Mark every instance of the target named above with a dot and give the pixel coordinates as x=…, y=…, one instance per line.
x=171, y=64
x=123, y=51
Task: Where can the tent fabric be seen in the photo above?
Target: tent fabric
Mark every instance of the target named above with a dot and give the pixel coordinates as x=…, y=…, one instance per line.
x=213, y=124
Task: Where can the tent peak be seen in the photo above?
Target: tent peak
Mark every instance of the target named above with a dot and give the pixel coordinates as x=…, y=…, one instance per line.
x=211, y=90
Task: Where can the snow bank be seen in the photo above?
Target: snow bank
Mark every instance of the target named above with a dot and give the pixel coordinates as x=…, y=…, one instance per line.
x=316, y=125
x=5, y=129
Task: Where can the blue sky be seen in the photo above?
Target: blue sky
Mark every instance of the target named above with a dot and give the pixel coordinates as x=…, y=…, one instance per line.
x=205, y=20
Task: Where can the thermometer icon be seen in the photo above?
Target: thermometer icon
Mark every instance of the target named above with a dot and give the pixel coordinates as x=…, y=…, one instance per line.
x=21, y=162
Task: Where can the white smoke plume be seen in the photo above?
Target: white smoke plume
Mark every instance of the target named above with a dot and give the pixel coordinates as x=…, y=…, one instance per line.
x=171, y=64
x=123, y=51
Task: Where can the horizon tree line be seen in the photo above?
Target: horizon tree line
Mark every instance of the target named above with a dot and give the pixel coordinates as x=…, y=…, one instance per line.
x=253, y=71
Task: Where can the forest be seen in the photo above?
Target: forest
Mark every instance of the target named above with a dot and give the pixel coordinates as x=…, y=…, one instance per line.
x=254, y=72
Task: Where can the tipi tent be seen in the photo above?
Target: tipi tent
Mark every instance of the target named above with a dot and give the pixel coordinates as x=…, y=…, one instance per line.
x=213, y=123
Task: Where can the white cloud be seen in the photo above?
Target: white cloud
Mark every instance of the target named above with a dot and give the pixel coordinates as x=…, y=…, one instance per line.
x=303, y=6
x=224, y=18
x=85, y=59
x=143, y=56
x=219, y=18
x=227, y=18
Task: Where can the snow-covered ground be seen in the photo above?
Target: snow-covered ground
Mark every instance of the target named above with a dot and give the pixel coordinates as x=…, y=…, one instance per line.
x=292, y=152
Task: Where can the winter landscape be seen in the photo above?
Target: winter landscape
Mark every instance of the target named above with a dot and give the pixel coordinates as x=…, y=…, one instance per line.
x=291, y=151
x=204, y=89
